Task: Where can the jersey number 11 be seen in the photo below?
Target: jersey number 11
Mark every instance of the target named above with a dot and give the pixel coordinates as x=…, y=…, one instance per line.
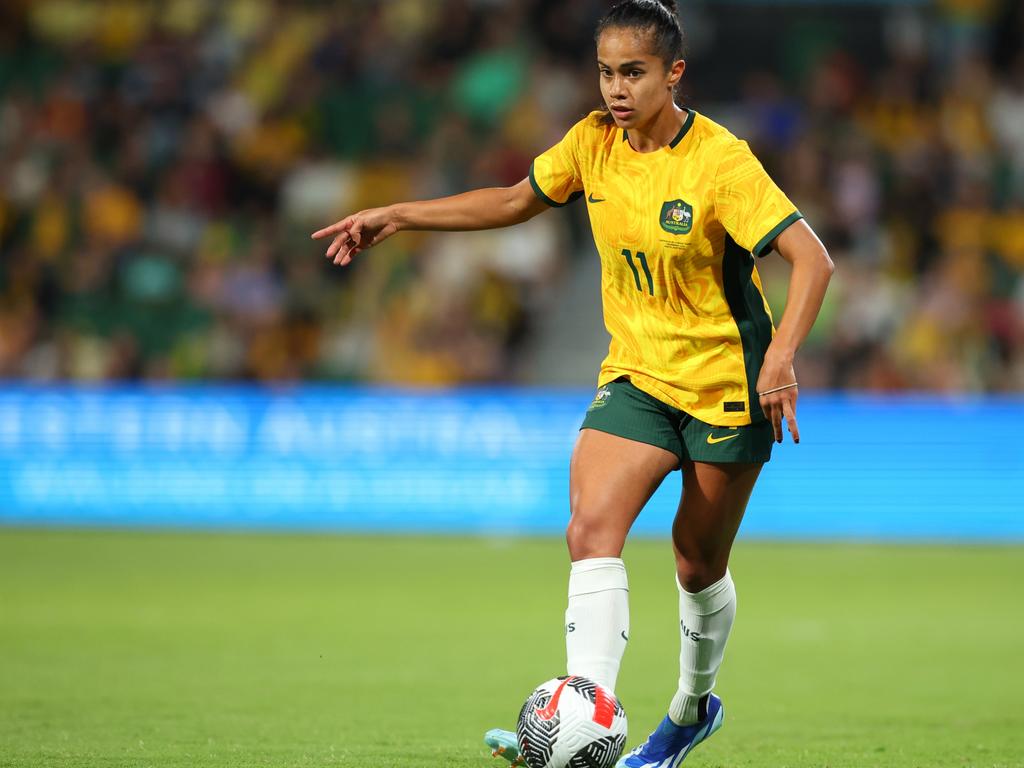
x=642, y=258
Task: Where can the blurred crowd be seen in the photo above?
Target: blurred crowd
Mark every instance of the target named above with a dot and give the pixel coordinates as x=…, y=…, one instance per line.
x=163, y=163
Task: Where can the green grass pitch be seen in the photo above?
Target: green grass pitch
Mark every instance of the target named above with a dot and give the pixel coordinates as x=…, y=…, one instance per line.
x=222, y=650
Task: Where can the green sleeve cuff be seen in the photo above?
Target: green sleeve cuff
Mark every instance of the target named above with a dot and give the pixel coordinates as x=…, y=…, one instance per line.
x=540, y=193
x=762, y=245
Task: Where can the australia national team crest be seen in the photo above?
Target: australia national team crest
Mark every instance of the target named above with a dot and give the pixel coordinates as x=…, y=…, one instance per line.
x=600, y=399
x=677, y=217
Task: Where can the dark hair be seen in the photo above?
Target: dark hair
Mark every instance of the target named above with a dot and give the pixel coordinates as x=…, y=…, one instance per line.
x=658, y=19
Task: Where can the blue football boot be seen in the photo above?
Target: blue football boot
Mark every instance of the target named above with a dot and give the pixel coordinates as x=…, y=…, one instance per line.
x=671, y=743
x=504, y=744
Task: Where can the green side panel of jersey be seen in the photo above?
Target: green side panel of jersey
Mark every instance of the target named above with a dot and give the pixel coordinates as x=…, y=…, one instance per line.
x=751, y=318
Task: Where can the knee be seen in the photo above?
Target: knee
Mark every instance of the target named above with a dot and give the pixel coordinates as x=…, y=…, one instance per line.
x=589, y=536
x=700, y=560
x=696, y=573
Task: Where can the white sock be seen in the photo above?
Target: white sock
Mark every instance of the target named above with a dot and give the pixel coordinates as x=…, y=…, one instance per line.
x=597, y=619
x=705, y=619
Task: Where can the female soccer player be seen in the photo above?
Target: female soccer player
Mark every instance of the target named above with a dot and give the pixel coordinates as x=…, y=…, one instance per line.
x=697, y=377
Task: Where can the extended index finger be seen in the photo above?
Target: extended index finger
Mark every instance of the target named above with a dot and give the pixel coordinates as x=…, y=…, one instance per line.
x=335, y=229
x=789, y=411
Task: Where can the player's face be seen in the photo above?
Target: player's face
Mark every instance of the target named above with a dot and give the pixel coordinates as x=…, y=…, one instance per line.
x=634, y=82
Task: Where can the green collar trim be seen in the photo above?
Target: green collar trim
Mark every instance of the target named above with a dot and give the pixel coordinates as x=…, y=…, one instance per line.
x=687, y=124
x=685, y=129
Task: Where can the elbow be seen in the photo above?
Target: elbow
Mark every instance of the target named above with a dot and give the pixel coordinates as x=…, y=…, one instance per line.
x=521, y=204
x=515, y=206
x=814, y=263
x=828, y=267
x=521, y=212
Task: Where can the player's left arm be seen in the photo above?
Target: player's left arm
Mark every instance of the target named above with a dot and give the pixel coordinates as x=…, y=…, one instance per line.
x=812, y=270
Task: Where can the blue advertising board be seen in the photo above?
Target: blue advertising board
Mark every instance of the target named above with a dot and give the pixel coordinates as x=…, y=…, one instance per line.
x=478, y=461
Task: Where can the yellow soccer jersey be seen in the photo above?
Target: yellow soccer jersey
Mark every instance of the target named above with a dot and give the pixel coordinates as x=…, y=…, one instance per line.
x=675, y=230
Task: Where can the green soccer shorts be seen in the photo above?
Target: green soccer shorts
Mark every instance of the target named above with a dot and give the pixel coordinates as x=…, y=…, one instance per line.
x=621, y=409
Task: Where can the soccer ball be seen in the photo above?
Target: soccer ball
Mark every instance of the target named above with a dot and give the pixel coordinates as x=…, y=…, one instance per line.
x=571, y=722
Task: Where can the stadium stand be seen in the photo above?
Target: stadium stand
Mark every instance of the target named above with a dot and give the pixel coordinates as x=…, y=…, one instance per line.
x=161, y=165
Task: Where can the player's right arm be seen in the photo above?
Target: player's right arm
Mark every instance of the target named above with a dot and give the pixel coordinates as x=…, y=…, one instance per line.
x=489, y=208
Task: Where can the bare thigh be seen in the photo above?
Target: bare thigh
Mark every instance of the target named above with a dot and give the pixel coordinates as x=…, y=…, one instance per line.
x=610, y=480
x=710, y=511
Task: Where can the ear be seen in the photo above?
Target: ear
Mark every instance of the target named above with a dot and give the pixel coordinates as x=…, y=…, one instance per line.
x=675, y=74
